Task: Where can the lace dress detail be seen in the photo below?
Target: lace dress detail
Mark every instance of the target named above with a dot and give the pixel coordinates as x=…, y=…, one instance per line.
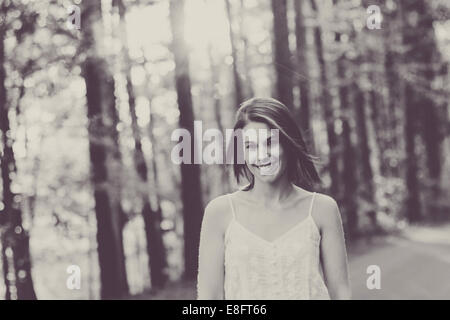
x=287, y=268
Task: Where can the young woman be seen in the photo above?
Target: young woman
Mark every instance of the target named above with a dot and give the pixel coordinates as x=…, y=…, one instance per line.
x=273, y=239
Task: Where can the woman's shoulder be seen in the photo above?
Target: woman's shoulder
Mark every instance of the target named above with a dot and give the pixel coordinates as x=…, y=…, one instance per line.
x=218, y=203
x=325, y=201
x=218, y=210
x=325, y=210
x=321, y=200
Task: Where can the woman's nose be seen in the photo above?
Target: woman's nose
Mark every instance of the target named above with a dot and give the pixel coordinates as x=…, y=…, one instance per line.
x=263, y=152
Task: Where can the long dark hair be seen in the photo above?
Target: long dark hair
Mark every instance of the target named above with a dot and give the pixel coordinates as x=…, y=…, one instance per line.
x=301, y=170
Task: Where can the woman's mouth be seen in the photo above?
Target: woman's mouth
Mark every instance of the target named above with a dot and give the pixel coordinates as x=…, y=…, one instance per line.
x=262, y=165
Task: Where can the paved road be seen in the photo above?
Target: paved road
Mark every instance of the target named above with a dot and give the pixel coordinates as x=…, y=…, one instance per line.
x=416, y=266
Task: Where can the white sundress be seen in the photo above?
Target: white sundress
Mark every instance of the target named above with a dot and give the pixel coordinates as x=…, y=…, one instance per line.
x=287, y=268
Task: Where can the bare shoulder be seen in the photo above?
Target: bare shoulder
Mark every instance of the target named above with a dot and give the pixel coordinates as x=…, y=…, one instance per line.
x=326, y=211
x=217, y=212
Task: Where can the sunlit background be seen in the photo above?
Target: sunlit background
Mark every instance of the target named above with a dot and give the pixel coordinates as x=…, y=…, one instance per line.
x=46, y=102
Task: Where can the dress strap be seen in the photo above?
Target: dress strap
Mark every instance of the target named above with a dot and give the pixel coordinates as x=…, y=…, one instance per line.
x=311, y=205
x=231, y=205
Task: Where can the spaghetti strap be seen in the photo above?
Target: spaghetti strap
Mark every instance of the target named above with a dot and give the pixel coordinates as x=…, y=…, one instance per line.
x=311, y=205
x=231, y=205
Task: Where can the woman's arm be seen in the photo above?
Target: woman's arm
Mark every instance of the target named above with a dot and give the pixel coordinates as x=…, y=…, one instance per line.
x=333, y=251
x=211, y=252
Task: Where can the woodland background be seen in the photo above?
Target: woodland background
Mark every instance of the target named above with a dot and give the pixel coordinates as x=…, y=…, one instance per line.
x=87, y=115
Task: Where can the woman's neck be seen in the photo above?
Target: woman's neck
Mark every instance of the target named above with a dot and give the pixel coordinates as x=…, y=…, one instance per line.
x=272, y=193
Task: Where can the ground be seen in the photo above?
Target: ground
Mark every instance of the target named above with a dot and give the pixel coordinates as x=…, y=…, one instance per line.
x=414, y=265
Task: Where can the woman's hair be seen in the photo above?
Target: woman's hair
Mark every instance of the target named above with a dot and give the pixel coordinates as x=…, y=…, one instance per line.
x=300, y=164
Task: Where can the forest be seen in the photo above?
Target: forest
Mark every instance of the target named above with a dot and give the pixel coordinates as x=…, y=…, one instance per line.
x=93, y=207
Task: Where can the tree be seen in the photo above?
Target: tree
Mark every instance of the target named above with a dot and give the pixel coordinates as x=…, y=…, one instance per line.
x=104, y=154
x=151, y=217
x=363, y=151
x=14, y=238
x=191, y=193
x=244, y=39
x=327, y=110
x=214, y=70
x=422, y=62
x=304, y=113
x=238, y=95
x=349, y=178
x=282, y=54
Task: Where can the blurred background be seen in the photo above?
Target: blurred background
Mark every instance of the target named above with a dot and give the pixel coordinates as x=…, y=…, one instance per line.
x=91, y=205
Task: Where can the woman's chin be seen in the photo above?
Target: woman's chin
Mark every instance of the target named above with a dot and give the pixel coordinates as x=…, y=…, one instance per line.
x=268, y=175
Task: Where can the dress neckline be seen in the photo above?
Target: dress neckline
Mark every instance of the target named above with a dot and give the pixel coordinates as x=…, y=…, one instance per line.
x=280, y=237
x=288, y=202
x=277, y=239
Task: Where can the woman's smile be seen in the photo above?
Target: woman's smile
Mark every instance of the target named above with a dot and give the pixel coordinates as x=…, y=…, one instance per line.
x=262, y=165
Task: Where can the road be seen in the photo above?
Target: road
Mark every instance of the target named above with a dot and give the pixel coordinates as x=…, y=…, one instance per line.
x=414, y=266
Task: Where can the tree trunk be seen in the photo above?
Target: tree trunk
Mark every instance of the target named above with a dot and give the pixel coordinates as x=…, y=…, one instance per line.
x=349, y=179
x=376, y=117
x=303, y=114
x=243, y=36
x=363, y=151
x=420, y=58
x=392, y=62
x=238, y=95
x=282, y=54
x=191, y=191
x=412, y=201
x=217, y=114
x=104, y=155
x=152, y=218
x=14, y=236
x=5, y=269
x=327, y=109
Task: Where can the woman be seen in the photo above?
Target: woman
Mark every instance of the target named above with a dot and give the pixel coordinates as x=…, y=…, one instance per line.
x=273, y=239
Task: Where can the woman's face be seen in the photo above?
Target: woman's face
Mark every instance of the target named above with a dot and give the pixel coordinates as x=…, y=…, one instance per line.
x=264, y=155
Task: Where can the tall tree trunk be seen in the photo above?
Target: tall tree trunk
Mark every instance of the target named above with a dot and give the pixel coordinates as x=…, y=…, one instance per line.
x=152, y=218
x=412, y=201
x=363, y=152
x=243, y=36
x=217, y=114
x=392, y=61
x=14, y=236
x=5, y=269
x=104, y=154
x=327, y=109
x=420, y=58
x=304, y=114
x=349, y=179
x=191, y=192
x=238, y=95
x=379, y=128
x=384, y=116
x=282, y=57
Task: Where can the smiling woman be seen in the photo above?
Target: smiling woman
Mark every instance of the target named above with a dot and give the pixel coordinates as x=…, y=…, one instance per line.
x=274, y=239
x=260, y=113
